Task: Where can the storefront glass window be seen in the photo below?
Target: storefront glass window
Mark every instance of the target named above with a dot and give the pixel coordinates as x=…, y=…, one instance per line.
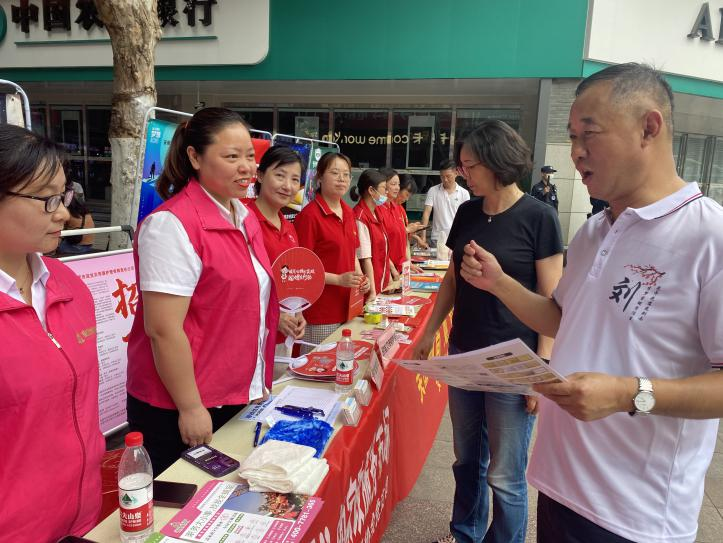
x=469, y=119
x=37, y=116
x=98, y=186
x=362, y=136
x=66, y=125
x=715, y=188
x=260, y=119
x=420, y=139
x=98, y=125
x=694, y=151
x=312, y=124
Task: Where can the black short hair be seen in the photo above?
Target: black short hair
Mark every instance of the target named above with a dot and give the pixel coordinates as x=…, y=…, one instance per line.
x=278, y=155
x=368, y=178
x=388, y=173
x=500, y=149
x=631, y=80
x=407, y=182
x=26, y=156
x=447, y=165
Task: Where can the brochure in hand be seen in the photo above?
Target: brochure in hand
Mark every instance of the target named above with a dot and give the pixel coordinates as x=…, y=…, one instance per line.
x=505, y=367
x=228, y=512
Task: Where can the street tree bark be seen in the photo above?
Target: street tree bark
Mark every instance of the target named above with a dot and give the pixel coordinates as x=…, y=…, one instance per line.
x=134, y=31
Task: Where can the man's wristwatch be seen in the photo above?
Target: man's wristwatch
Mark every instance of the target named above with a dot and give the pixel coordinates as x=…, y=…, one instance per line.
x=644, y=400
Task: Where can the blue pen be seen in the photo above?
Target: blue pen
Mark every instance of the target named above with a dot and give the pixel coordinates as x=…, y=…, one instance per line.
x=257, y=432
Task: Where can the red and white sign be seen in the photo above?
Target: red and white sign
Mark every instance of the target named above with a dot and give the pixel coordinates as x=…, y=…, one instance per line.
x=299, y=277
x=386, y=345
x=111, y=280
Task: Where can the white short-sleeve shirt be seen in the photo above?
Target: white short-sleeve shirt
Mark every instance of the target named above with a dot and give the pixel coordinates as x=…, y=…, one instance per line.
x=365, y=241
x=168, y=263
x=642, y=296
x=444, y=206
x=37, y=289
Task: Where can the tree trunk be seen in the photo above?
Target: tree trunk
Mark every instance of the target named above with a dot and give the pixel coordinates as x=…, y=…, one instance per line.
x=134, y=31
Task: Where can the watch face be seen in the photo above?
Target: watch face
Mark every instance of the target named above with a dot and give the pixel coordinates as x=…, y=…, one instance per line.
x=644, y=401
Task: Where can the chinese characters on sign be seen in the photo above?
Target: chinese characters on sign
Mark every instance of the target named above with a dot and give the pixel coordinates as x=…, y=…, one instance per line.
x=56, y=14
x=368, y=491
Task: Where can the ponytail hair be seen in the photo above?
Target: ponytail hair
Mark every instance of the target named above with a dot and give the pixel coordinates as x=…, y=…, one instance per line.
x=198, y=132
x=370, y=178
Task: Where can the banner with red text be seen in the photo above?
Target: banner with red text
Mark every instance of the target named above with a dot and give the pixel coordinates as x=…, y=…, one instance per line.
x=111, y=280
x=375, y=465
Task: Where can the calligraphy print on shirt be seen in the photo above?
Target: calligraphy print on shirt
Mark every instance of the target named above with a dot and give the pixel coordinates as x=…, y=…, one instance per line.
x=635, y=292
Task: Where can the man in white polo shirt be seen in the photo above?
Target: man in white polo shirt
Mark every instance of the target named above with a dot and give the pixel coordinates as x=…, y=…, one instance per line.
x=444, y=199
x=624, y=444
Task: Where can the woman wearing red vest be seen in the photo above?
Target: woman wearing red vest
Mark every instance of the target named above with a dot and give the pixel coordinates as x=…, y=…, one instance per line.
x=326, y=226
x=49, y=364
x=202, y=343
x=373, y=252
x=278, y=181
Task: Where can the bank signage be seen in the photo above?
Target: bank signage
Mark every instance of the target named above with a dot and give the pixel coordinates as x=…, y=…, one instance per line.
x=683, y=37
x=68, y=33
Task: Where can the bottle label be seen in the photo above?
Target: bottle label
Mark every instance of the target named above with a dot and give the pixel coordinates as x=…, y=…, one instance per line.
x=344, y=371
x=136, y=509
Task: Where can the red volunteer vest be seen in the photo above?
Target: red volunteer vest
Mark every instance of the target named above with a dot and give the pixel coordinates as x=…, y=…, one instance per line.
x=50, y=463
x=379, y=241
x=222, y=323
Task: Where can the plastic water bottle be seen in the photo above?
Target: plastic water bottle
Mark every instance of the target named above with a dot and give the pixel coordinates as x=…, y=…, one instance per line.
x=135, y=491
x=344, y=363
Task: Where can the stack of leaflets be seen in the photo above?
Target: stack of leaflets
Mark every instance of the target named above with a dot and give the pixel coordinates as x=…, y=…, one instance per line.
x=425, y=282
x=228, y=512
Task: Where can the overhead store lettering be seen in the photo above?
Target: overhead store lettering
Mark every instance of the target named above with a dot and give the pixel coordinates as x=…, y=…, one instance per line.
x=703, y=25
x=418, y=138
x=56, y=14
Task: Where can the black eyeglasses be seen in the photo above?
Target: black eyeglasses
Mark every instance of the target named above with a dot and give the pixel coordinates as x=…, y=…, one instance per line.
x=464, y=170
x=52, y=203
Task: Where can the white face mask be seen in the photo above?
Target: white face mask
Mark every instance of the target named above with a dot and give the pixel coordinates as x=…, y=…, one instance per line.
x=550, y=176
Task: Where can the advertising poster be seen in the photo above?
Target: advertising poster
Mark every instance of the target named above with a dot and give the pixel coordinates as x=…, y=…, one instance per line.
x=112, y=282
x=158, y=139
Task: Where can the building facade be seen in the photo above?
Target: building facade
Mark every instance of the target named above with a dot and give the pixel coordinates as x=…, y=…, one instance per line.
x=393, y=83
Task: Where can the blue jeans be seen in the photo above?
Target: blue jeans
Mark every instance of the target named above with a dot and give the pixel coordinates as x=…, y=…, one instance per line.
x=491, y=433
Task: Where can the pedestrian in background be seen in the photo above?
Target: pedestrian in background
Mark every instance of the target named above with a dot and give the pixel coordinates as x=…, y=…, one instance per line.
x=545, y=190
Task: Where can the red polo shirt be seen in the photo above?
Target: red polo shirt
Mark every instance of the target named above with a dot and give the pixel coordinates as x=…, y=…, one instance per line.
x=379, y=242
x=394, y=219
x=334, y=241
x=276, y=240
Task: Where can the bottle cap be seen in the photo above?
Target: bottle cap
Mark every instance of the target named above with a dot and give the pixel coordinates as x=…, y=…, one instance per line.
x=134, y=439
x=346, y=332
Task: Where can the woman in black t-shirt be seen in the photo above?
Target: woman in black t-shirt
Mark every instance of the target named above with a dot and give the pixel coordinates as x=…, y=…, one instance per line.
x=492, y=430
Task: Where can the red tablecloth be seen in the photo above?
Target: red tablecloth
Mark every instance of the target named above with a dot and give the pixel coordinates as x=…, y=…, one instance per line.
x=376, y=464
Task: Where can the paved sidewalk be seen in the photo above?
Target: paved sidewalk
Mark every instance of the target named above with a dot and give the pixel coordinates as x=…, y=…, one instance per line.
x=424, y=516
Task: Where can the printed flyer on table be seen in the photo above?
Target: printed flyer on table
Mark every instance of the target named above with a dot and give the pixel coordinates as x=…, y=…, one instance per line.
x=227, y=512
